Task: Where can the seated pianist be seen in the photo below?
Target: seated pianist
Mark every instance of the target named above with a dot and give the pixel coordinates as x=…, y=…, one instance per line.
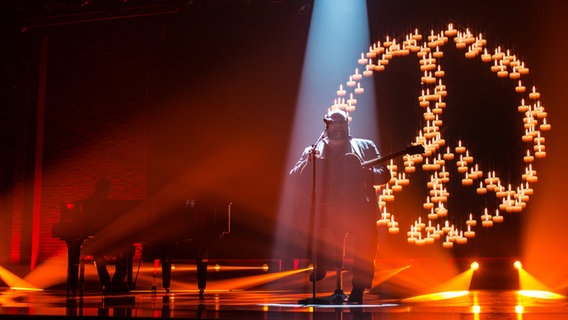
x=179, y=229
x=82, y=220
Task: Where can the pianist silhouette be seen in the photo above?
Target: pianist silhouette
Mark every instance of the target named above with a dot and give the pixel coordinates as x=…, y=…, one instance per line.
x=99, y=214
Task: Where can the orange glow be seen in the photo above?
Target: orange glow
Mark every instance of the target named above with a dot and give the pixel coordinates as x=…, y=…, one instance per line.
x=437, y=296
x=15, y=282
x=528, y=282
x=541, y=294
x=50, y=272
x=251, y=281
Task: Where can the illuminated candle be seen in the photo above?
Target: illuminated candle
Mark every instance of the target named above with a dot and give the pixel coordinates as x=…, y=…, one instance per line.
x=502, y=73
x=439, y=73
x=467, y=181
x=379, y=66
x=393, y=225
x=352, y=100
x=497, y=218
x=450, y=32
x=341, y=92
x=515, y=75
x=430, y=228
x=469, y=233
x=527, y=137
x=523, y=107
x=363, y=60
x=460, y=148
x=416, y=35
x=447, y=244
x=486, y=220
x=396, y=187
x=402, y=180
x=496, y=67
x=481, y=189
x=438, y=54
x=471, y=221
x=544, y=126
x=357, y=76
x=461, y=239
x=534, y=95
x=446, y=228
x=432, y=215
x=359, y=90
x=429, y=240
x=520, y=88
x=351, y=82
x=486, y=57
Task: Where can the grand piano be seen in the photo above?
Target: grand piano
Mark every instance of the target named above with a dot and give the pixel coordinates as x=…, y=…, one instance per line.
x=185, y=229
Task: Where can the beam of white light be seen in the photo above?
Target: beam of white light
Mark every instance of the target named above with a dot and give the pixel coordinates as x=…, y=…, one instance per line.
x=338, y=35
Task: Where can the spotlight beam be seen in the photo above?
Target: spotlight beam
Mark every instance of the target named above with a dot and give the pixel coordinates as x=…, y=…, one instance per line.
x=15, y=282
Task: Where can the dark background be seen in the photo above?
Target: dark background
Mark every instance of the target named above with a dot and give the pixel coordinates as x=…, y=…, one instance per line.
x=194, y=99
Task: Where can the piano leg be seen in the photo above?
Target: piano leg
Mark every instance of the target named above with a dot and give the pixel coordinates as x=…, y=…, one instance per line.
x=166, y=261
x=73, y=257
x=201, y=261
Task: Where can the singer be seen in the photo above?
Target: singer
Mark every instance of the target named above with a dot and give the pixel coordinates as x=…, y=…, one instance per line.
x=346, y=203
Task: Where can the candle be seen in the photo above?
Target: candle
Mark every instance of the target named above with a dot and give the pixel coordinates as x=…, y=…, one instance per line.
x=471, y=222
x=481, y=189
x=447, y=244
x=461, y=239
x=520, y=88
x=359, y=90
x=439, y=73
x=446, y=228
x=497, y=218
x=469, y=233
x=485, y=57
x=393, y=225
x=357, y=76
x=369, y=69
x=396, y=187
x=351, y=82
x=534, y=95
x=486, y=220
x=363, y=60
x=467, y=181
x=544, y=126
x=460, y=148
x=502, y=72
x=450, y=32
x=432, y=215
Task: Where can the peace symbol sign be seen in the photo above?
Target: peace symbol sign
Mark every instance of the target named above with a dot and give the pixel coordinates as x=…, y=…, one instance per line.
x=435, y=225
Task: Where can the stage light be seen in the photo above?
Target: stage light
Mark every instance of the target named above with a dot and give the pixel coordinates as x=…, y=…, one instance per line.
x=476, y=309
x=518, y=265
x=474, y=266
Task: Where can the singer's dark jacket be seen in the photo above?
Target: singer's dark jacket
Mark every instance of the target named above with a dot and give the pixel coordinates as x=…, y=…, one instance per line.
x=346, y=203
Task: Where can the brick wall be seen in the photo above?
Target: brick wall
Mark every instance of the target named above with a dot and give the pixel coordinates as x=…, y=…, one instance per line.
x=95, y=126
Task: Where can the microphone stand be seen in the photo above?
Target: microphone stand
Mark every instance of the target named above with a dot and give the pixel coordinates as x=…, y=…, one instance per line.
x=312, y=245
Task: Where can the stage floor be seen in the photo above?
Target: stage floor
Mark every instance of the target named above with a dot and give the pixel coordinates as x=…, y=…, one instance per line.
x=276, y=304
